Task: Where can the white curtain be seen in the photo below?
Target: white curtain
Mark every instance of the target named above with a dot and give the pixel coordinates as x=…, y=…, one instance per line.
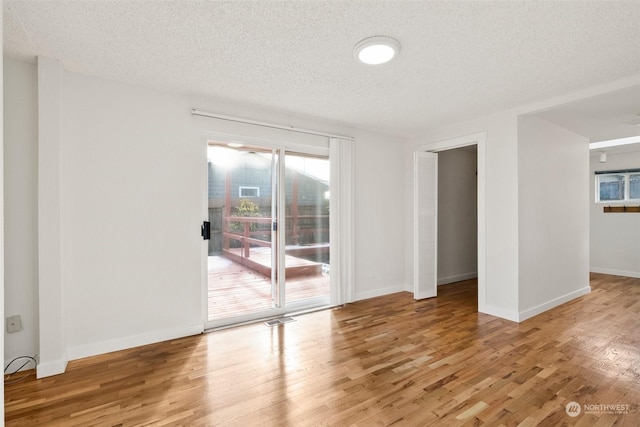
x=341, y=155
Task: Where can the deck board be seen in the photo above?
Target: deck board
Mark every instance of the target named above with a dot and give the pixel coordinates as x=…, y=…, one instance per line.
x=260, y=261
x=236, y=290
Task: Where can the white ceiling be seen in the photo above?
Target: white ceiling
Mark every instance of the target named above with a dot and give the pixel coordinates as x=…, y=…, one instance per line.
x=459, y=60
x=601, y=118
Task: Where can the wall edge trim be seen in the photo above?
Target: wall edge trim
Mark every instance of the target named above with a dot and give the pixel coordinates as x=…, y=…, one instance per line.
x=541, y=308
x=108, y=346
x=379, y=292
x=457, y=278
x=614, y=272
x=51, y=368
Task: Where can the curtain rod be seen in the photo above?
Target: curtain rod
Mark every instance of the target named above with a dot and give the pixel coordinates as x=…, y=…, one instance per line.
x=195, y=112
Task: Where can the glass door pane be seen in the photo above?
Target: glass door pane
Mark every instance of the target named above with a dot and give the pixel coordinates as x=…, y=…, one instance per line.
x=269, y=248
x=307, y=257
x=242, y=279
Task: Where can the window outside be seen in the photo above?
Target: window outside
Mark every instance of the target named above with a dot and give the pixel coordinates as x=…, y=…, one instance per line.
x=249, y=192
x=634, y=186
x=611, y=187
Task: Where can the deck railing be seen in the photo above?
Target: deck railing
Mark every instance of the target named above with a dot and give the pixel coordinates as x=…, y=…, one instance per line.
x=247, y=237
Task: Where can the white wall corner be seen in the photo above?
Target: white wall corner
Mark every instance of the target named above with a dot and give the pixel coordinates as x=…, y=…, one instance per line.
x=553, y=250
x=534, y=311
x=408, y=287
x=379, y=292
x=52, y=320
x=52, y=367
x=457, y=278
x=499, y=312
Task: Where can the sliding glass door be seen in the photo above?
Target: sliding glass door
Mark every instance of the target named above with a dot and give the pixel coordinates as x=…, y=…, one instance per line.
x=269, y=247
x=307, y=213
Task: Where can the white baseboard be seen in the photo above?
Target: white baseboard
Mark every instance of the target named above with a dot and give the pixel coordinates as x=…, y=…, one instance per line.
x=613, y=272
x=54, y=367
x=379, y=292
x=534, y=311
x=499, y=312
x=457, y=278
x=94, y=349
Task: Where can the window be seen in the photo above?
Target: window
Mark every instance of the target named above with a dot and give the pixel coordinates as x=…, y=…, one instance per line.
x=634, y=186
x=617, y=186
x=611, y=187
x=249, y=192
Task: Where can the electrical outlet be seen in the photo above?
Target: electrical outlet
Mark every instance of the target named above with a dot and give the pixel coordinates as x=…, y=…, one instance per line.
x=14, y=324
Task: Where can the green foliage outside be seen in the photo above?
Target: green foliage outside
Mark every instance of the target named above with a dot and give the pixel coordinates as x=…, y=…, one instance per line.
x=246, y=208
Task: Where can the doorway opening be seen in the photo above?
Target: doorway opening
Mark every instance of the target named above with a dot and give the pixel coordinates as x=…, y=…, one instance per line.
x=426, y=189
x=457, y=216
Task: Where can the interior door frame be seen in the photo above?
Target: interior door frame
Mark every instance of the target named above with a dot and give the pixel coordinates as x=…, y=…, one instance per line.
x=480, y=140
x=425, y=223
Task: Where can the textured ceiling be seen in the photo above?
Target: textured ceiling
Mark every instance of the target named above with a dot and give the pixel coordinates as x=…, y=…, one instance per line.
x=459, y=60
x=610, y=116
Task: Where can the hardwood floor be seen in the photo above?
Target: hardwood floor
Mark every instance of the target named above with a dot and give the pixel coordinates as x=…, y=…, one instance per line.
x=383, y=361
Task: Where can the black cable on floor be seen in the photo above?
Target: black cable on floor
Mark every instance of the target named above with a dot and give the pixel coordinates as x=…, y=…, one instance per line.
x=8, y=376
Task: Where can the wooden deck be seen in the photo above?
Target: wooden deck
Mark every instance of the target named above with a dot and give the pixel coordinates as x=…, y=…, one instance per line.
x=260, y=261
x=236, y=290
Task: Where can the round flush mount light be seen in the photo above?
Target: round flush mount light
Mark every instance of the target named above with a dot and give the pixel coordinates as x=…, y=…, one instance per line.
x=376, y=50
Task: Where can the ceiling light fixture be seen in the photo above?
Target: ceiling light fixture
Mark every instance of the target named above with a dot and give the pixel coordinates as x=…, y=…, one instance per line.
x=376, y=50
x=603, y=157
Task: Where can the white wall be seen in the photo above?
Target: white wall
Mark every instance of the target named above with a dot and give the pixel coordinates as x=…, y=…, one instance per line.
x=132, y=196
x=20, y=207
x=505, y=235
x=500, y=296
x=615, y=237
x=51, y=305
x=553, y=215
x=2, y=240
x=379, y=205
x=457, y=215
